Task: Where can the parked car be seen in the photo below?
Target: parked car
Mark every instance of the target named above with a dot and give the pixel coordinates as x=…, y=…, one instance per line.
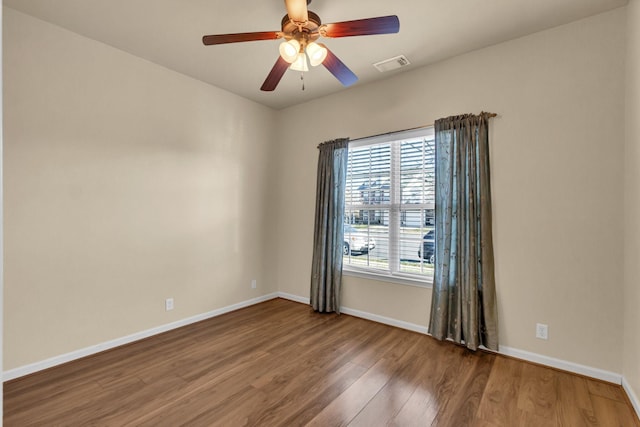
x=356, y=241
x=428, y=249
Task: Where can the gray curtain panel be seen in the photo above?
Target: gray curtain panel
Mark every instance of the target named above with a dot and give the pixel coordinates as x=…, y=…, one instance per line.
x=463, y=306
x=326, y=269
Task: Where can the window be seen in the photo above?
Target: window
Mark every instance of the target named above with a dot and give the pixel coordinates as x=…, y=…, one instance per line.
x=389, y=207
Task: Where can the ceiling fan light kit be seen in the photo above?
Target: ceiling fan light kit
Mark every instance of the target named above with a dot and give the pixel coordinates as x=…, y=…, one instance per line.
x=290, y=50
x=317, y=54
x=300, y=64
x=300, y=29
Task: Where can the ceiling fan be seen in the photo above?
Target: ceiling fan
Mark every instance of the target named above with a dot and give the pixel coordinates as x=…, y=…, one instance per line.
x=300, y=30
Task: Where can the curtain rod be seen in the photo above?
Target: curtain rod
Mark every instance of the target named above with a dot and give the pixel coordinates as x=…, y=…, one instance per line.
x=489, y=115
x=391, y=132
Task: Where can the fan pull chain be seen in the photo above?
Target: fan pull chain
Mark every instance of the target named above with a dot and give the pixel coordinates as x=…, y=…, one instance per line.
x=302, y=80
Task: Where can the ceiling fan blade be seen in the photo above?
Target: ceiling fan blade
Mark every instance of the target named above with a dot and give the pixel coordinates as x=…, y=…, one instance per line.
x=275, y=75
x=362, y=27
x=240, y=37
x=297, y=10
x=338, y=69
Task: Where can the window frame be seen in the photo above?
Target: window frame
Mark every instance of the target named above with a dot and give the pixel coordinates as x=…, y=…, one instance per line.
x=394, y=209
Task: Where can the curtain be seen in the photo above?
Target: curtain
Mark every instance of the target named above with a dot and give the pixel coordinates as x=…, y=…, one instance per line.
x=463, y=306
x=326, y=269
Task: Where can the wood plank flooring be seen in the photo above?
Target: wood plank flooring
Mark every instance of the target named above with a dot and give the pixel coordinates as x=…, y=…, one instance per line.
x=280, y=364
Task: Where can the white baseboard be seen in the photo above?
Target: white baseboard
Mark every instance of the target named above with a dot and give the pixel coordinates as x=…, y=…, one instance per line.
x=385, y=320
x=296, y=298
x=68, y=357
x=363, y=314
x=564, y=365
x=632, y=395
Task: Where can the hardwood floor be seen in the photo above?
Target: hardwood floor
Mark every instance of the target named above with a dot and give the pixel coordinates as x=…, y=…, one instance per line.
x=279, y=363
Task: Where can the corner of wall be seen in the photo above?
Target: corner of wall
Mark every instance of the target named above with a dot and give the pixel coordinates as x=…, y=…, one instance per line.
x=631, y=340
x=1, y=231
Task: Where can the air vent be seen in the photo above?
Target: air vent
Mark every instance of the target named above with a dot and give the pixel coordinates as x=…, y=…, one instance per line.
x=392, y=63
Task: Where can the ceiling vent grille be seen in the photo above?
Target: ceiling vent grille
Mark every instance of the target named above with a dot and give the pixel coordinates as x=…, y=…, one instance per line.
x=392, y=63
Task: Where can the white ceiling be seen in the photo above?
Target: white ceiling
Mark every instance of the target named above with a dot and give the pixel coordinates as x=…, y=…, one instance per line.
x=169, y=33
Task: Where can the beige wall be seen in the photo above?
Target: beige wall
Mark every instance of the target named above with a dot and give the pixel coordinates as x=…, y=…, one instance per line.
x=632, y=202
x=125, y=184
x=557, y=156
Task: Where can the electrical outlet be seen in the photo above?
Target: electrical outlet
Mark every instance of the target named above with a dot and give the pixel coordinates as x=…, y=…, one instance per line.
x=542, y=331
x=254, y=284
x=168, y=304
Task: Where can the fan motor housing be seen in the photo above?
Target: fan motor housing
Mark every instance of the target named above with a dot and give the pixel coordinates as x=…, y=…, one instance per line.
x=309, y=29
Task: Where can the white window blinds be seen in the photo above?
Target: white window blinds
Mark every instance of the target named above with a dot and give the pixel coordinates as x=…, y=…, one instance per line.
x=389, y=205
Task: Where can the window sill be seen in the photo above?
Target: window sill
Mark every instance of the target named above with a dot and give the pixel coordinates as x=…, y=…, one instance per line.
x=389, y=278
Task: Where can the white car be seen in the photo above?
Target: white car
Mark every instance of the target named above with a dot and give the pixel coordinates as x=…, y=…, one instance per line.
x=356, y=241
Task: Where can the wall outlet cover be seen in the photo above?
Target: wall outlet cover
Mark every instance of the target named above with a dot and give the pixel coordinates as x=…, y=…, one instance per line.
x=542, y=331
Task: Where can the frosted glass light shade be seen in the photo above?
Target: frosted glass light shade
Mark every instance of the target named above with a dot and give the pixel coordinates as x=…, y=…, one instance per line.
x=300, y=63
x=317, y=53
x=289, y=50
